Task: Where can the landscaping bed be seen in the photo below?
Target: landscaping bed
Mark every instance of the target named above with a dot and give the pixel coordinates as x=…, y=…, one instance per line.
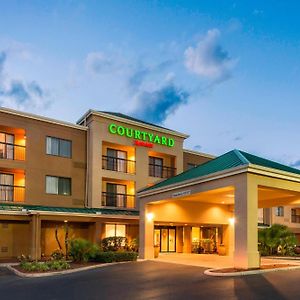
x=263, y=267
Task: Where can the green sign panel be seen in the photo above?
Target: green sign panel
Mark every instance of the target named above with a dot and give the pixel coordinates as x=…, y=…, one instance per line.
x=141, y=135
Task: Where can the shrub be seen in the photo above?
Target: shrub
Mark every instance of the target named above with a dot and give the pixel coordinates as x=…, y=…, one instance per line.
x=114, y=243
x=83, y=250
x=44, y=266
x=134, y=245
x=109, y=257
x=57, y=255
x=276, y=240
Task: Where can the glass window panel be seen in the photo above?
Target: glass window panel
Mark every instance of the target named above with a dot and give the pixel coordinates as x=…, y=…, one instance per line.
x=172, y=240
x=65, y=148
x=164, y=240
x=64, y=186
x=51, y=185
x=52, y=146
x=110, y=230
x=121, y=230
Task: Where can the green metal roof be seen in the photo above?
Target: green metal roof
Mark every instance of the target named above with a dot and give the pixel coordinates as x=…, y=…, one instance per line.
x=224, y=162
x=101, y=211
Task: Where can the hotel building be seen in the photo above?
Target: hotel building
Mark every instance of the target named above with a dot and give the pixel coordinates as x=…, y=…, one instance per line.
x=86, y=176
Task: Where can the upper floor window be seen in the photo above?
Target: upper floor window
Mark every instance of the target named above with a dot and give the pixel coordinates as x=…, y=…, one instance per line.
x=58, y=185
x=191, y=166
x=279, y=211
x=155, y=166
x=58, y=147
x=116, y=160
x=7, y=145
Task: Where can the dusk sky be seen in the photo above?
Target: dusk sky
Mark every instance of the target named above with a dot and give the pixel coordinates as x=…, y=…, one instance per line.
x=225, y=72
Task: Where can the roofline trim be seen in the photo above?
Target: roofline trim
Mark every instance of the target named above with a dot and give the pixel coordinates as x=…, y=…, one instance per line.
x=120, y=119
x=42, y=118
x=217, y=175
x=199, y=153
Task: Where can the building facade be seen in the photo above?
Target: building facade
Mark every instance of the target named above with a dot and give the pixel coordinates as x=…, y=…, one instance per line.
x=56, y=175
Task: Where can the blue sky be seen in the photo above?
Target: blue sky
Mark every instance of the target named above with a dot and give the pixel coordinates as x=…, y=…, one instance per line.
x=225, y=72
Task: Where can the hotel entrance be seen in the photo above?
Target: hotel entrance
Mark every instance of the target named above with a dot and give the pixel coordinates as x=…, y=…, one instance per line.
x=165, y=237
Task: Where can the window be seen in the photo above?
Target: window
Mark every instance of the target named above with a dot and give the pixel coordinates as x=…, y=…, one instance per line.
x=155, y=166
x=279, y=211
x=58, y=185
x=116, y=160
x=58, y=147
x=115, y=230
x=115, y=195
x=6, y=187
x=191, y=166
x=7, y=145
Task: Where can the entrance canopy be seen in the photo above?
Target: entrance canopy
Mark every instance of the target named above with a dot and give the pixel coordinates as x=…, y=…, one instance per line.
x=227, y=191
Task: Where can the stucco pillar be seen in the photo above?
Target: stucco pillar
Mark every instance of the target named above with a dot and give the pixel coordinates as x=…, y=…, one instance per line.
x=35, y=245
x=146, y=233
x=179, y=239
x=97, y=232
x=187, y=239
x=246, y=253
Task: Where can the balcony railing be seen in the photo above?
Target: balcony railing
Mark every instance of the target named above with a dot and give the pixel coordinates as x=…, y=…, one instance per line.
x=118, y=200
x=295, y=219
x=161, y=171
x=12, y=151
x=12, y=193
x=118, y=164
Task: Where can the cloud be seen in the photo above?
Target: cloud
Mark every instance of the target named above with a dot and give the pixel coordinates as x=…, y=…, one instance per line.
x=157, y=105
x=197, y=147
x=98, y=62
x=296, y=164
x=18, y=94
x=208, y=59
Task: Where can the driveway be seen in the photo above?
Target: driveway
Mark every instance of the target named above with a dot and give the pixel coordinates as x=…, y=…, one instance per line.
x=150, y=280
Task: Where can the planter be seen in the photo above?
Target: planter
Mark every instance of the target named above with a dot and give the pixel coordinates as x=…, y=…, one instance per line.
x=222, y=250
x=156, y=251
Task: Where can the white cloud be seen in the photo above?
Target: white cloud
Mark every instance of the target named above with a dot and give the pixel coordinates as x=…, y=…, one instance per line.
x=208, y=59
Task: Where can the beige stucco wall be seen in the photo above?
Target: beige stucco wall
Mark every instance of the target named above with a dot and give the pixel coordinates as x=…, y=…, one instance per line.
x=100, y=137
x=38, y=164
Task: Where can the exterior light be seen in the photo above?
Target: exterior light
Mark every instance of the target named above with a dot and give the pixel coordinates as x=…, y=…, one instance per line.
x=150, y=216
x=66, y=221
x=231, y=221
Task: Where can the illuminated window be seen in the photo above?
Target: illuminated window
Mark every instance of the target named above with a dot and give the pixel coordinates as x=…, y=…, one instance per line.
x=279, y=211
x=115, y=230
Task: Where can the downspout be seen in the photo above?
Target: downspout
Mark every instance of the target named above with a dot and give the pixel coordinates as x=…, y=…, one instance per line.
x=87, y=164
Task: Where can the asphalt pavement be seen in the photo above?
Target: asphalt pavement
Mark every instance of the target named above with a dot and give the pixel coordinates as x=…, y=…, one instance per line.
x=150, y=280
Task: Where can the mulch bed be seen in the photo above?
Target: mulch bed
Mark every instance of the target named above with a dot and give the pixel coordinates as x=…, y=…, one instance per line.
x=73, y=265
x=263, y=267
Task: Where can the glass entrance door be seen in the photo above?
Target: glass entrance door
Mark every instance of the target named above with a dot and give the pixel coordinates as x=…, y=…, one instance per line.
x=166, y=238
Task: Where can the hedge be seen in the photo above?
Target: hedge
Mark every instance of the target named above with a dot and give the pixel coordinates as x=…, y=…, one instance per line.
x=109, y=257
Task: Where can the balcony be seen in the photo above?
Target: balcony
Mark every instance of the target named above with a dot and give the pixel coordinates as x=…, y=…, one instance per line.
x=12, y=193
x=118, y=164
x=161, y=171
x=118, y=200
x=295, y=219
x=12, y=151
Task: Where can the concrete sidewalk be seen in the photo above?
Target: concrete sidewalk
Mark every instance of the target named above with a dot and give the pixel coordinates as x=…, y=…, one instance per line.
x=213, y=261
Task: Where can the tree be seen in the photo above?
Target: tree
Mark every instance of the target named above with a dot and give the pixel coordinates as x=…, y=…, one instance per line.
x=277, y=239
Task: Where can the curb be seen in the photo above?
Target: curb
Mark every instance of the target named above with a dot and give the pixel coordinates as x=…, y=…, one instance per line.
x=211, y=272
x=49, y=274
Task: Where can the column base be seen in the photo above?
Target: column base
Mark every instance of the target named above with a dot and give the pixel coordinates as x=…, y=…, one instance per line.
x=246, y=260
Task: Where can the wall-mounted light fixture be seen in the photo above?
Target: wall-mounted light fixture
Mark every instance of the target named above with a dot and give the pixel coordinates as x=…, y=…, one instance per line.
x=150, y=216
